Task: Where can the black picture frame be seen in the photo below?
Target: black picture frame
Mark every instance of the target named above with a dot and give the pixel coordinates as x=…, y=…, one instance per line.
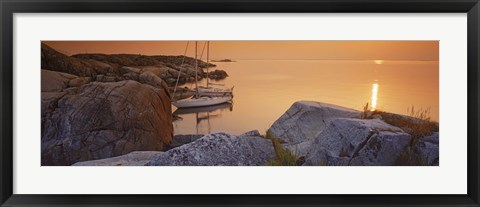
x=10, y=7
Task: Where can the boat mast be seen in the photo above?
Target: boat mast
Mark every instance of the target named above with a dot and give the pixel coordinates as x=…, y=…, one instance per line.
x=208, y=51
x=196, y=69
x=180, y=70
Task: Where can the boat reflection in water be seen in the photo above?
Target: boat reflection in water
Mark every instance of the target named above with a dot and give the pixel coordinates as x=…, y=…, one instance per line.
x=204, y=114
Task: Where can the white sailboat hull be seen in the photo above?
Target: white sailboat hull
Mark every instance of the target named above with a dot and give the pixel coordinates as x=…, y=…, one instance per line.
x=202, y=101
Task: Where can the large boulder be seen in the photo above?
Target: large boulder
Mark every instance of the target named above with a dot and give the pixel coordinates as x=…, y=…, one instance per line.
x=357, y=142
x=49, y=101
x=304, y=120
x=428, y=149
x=101, y=120
x=137, y=158
x=219, y=149
x=54, y=85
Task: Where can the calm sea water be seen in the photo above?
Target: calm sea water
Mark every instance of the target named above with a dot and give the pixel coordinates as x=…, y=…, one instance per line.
x=265, y=89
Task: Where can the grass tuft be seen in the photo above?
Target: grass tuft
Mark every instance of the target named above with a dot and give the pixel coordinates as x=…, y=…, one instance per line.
x=418, y=125
x=283, y=157
x=365, y=113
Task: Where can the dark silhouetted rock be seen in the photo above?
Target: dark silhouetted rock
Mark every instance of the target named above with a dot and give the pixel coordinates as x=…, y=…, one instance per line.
x=217, y=74
x=53, y=60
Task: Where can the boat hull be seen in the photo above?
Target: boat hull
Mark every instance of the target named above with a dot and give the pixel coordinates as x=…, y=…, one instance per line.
x=204, y=109
x=202, y=101
x=215, y=93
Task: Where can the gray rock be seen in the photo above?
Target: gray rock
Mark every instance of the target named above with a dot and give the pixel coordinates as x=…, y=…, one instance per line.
x=49, y=101
x=428, y=148
x=103, y=120
x=179, y=140
x=137, y=158
x=151, y=79
x=304, y=120
x=71, y=90
x=357, y=142
x=253, y=133
x=434, y=138
x=104, y=78
x=299, y=149
x=219, y=149
x=126, y=69
x=53, y=81
x=130, y=76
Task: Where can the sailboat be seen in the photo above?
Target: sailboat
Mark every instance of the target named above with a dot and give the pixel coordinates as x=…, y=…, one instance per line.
x=198, y=100
x=211, y=91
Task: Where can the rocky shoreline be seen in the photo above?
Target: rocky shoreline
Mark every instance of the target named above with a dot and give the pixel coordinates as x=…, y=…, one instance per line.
x=111, y=68
x=96, y=106
x=115, y=110
x=315, y=133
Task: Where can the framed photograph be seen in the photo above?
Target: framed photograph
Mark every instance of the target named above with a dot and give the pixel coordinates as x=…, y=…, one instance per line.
x=270, y=102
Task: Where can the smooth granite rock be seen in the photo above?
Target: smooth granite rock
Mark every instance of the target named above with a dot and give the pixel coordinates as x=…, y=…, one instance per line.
x=218, y=149
x=357, y=142
x=102, y=120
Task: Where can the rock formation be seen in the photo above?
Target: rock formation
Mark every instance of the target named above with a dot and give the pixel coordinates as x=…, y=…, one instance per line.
x=108, y=68
x=325, y=134
x=219, y=149
x=100, y=120
x=303, y=120
x=137, y=158
x=56, y=61
x=357, y=142
x=217, y=74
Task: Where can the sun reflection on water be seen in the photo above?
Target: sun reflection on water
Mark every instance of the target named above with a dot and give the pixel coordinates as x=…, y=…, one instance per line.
x=378, y=62
x=374, y=96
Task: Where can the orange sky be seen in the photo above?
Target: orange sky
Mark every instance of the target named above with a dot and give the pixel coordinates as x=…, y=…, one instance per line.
x=357, y=50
